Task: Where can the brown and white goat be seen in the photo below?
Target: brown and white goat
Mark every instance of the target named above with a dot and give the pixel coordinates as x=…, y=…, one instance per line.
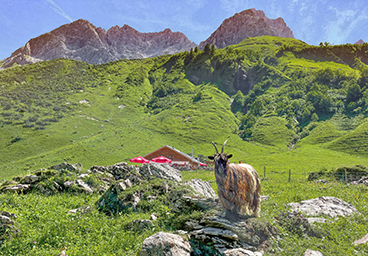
x=238, y=185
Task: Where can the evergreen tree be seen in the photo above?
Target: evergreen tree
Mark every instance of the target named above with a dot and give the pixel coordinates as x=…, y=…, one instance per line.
x=207, y=48
x=213, y=48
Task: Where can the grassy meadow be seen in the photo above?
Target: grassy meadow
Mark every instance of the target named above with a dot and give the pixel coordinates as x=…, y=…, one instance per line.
x=46, y=226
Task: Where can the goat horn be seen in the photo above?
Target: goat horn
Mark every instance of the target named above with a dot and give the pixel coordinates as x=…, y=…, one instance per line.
x=215, y=147
x=223, y=147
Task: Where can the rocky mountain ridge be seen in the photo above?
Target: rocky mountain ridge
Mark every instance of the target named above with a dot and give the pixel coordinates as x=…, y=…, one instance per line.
x=81, y=40
x=248, y=23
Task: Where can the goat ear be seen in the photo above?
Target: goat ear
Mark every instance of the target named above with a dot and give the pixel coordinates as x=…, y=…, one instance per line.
x=211, y=157
x=229, y=156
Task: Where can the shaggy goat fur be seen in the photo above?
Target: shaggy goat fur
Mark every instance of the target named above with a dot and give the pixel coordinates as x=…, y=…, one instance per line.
x=238, y=185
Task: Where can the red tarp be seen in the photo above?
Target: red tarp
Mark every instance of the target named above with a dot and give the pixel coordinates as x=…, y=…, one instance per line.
x=161, y=159
x=139, y=159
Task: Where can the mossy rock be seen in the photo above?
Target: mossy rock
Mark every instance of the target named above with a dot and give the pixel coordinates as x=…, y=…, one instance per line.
x=145, y=196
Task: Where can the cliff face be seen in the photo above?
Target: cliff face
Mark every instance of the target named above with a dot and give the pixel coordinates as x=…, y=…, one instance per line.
x=81, y=40
x=248, y=23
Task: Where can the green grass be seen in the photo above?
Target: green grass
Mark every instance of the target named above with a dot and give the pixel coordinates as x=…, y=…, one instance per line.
x=46, y=226
x=273, y=131
x=322, y=133
x=356, y=141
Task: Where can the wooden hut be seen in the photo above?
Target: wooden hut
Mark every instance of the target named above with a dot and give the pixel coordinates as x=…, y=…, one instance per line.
x=177, y=157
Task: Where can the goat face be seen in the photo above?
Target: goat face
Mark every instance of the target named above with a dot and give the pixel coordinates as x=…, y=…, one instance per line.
x=221, y=159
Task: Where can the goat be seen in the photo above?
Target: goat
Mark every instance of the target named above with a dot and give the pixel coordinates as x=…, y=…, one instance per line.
x=238, y=185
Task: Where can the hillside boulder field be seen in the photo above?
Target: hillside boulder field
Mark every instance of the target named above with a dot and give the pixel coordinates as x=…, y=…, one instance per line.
x=126, y=186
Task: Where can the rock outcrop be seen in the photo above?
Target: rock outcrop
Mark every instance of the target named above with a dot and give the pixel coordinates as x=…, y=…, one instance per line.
x=248, y=23
x=63, y=177
x=324, y=205
x=165, y=244
x=81, y=40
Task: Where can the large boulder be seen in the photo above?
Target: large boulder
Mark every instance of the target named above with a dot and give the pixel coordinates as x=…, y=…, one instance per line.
x=145, y=194
x=163, y=171
x=165, y=244
x=202, y=187
x=325, y=205
x=223, y=235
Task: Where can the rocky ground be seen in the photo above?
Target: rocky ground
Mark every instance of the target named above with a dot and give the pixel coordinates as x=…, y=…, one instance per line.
x=125, y=187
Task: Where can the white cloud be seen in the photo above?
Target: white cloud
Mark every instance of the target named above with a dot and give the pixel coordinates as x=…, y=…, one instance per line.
x=347, y=21
x=233, y=6
x=58, y=10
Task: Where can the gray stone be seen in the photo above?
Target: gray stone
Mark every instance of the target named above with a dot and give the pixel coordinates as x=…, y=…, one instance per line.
x=265, y=198
x=83, y=175
x=317, y=220
x=165, y=244
x=163, y=171
x=66, y=166
x=241, y=252
x=252, y=231
x=19, y=187
x=363, y=181
x=309, y=252
x=217, y=232
x=202, y=188
x=6, y=220
x=154, y=216
x=8, y=214
x=193, y=225
x=362, y=240
x=202, y=203
x=30, y=179
x=85, y=186
x=118, y=171
x=81, y=209
x=325, y=205
x=68, y=183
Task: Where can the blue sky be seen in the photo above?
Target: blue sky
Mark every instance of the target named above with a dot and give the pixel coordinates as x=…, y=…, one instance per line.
x=312, y=21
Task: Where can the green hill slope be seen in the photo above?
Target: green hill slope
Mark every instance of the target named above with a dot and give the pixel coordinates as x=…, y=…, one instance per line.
x=264, y=91
x=356, y=142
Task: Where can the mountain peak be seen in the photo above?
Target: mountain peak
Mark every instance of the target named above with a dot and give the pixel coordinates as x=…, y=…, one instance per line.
x=360, y=41
x=248, y=23
x=81, y=40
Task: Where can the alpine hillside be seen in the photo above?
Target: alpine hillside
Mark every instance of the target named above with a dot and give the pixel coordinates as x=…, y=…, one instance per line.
x=279, y=102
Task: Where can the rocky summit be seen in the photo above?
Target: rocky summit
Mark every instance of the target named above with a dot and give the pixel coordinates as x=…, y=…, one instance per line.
x=248, y=23
x=81, y=40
